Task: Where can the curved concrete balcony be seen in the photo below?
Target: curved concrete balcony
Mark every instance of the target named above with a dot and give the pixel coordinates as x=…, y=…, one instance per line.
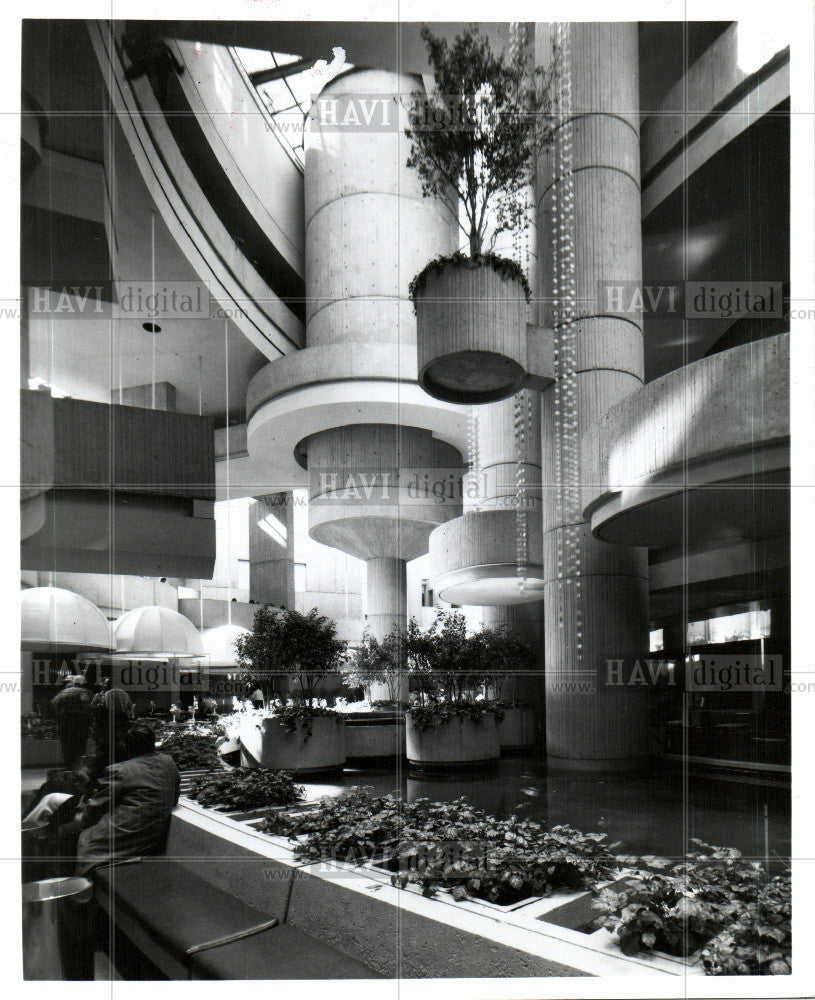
x=226, y=190
x=743, y=75
x=334, y=385
x=696, y=456
x=475, y=559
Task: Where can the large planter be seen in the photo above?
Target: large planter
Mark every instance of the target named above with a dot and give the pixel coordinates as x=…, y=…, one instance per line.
x=471, y=333
x=265, y=743
x=517, y=728
x=457, y=741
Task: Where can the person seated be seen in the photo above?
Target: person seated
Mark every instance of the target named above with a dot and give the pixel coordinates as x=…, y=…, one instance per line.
x=128, y=813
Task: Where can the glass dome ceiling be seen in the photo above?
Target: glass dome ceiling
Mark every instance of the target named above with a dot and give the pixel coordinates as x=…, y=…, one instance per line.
x=287, y=85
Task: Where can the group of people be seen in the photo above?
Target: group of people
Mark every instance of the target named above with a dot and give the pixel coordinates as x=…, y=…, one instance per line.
x=80, y=714
x=114, y=803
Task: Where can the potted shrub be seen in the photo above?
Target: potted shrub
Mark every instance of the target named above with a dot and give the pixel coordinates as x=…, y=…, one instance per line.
x=474, y=143
x=450, y=721
x=376, y=667
x=300, y=733
x=505, y=659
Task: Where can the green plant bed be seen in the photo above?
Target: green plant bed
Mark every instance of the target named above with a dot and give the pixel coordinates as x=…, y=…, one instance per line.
x=714, y=906
x=246, y=789
x=448, y=846
x=191, y=750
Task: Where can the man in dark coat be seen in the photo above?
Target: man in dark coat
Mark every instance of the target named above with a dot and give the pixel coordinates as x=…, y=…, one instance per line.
x=127, y=814
x=72, y=707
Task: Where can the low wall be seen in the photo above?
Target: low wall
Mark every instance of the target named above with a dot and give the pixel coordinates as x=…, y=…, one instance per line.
x=397, y=932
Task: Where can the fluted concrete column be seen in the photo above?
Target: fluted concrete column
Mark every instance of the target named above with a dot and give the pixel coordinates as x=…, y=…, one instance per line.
x=595, y=594
x=386, y=596
x=271, y=550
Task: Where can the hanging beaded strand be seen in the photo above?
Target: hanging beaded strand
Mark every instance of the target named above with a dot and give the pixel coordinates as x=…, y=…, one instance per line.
x=566, y=410
x=474, y=456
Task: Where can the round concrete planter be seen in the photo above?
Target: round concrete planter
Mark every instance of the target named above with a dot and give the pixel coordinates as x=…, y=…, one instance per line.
x=265, y=743
x=457, y=741
x=471, y=334
x=517, y=728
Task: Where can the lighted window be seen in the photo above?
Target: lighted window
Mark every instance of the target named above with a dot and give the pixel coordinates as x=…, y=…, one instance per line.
x=657, y=643
x=288, y=84
x=274, y=528
x=739, y=627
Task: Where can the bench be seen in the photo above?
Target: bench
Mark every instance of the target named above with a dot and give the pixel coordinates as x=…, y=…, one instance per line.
x=189, y=929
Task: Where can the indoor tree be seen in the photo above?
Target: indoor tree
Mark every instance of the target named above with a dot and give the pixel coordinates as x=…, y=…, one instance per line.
x=376, y=662
x=285, y=643
x=475, y=137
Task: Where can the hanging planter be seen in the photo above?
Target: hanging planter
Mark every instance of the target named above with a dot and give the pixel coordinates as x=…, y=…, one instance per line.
x=475, y=139
x=471, y=328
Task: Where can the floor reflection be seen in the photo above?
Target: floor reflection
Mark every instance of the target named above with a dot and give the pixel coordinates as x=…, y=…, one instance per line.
x=654, y=813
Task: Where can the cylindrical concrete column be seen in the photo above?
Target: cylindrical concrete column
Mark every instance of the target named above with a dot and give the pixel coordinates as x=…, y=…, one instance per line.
x=369, y=230
x=373, y=494
x=271, y=550
x=386, y=596
x=589, y=232
x=493, y=554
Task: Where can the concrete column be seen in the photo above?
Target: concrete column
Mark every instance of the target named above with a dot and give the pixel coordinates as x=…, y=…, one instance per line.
x=386, y=596
x=595, y=593
x=271, y=550
x=369, y=230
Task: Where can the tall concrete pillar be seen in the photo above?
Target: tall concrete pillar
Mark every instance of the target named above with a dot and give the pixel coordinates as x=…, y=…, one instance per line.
x=589, y=232
x=387, y=596
x=369, y=230
x=271, y=550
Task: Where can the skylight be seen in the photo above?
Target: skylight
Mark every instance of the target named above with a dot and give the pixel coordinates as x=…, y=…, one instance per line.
x=287, y=85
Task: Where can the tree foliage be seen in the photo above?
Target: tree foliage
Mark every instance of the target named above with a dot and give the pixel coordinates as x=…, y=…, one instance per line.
x=283, y=642
x=375, y=661
x=475, y=138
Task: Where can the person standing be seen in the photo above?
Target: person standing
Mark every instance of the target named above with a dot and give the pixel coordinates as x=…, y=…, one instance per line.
x=112, y=715
x=72, y=707
x=256, y=698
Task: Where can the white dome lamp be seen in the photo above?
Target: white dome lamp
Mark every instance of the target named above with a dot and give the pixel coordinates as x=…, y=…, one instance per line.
x=52, y=617
x=156, y=633
x=219, y=644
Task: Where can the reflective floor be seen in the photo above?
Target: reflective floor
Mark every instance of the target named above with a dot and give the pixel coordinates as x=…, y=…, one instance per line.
x=652, y=813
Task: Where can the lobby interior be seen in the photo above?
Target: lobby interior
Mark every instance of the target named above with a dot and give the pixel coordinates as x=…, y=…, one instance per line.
x=219, y=357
